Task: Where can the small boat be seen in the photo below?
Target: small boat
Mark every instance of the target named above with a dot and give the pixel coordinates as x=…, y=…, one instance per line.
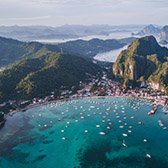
x=124, y=144
x=145, y=140
x=153, y=111
x=125, y=135
x=102, y=133
x=147, y=155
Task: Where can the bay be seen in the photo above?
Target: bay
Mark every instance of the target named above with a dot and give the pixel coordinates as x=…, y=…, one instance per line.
x=90, y=132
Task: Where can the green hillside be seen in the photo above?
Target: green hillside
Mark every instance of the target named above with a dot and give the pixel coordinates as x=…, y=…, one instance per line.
x=13, y=50
x=43, y=73
x=88, y=49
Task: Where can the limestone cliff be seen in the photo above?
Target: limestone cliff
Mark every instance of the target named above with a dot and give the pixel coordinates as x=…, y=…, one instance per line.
x=143, y=60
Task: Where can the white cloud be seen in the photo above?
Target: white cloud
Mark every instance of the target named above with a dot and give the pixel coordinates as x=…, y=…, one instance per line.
x=26, y=18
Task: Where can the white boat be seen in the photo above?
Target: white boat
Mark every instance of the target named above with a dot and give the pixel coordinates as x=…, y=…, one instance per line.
x=147, y=155
x=145, y=140
x=124, y=144
x=102, y=133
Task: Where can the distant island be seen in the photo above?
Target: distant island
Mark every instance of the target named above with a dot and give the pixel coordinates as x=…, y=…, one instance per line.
x=148, y=30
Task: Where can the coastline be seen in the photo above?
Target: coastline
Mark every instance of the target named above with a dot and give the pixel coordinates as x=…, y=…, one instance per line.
x=53, y=101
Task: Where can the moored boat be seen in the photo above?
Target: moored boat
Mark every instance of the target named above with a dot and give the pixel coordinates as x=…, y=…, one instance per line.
x=153, y=111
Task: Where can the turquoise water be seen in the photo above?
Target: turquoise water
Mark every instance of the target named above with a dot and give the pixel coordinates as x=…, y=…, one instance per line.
x=86, y=133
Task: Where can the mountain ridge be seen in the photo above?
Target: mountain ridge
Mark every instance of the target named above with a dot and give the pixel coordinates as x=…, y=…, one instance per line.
x=148, y=30
x=29, y=33
x=12, y=50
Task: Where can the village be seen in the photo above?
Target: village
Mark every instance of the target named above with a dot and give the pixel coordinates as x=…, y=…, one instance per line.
x=96, y=86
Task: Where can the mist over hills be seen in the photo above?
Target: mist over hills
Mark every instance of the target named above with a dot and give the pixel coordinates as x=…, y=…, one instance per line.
x=29, y=33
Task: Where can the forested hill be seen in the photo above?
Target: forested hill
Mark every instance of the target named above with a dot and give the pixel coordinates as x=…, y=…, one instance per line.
x=43, y=73
x=12, y=50
x=88, y=49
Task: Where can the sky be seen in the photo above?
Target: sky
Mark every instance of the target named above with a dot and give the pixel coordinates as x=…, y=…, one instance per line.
x=84, y=12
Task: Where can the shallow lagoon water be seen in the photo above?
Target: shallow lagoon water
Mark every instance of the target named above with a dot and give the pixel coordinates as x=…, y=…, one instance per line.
x=85, y=133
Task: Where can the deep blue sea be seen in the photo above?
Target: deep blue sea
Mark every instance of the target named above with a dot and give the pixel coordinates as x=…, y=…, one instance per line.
x=86, y=133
